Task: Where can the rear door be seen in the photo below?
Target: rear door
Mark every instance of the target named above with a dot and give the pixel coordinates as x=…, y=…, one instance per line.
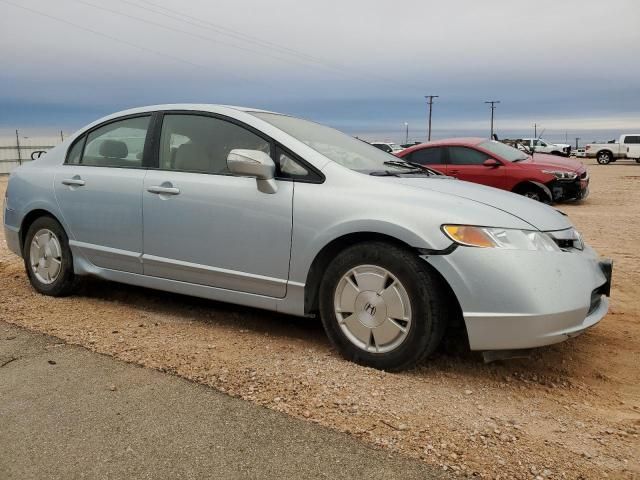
x=205, y=226
x=632, y=142
x=431, y=156
x=466, y=164
x=99, y=190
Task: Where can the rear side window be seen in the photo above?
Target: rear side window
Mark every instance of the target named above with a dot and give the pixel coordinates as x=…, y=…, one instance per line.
x=117, y=144
x=426, y=156
x=75, y=152
x=632, y=139
x=466, y=156
x=196, y=143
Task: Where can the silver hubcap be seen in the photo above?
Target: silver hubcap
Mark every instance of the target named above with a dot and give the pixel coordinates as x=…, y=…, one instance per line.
x=603, y=158
x=45, y=256
x=372, y=308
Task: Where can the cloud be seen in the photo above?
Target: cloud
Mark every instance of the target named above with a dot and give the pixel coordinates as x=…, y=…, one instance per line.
x=353, y=64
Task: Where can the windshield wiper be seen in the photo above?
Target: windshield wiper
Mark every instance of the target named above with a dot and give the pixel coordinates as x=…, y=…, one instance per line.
x=384, y=173
x=412, y=167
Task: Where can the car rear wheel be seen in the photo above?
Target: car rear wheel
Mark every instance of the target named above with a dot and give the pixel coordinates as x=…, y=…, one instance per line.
x=382, y=307
x=604, y=158
x=47, y=258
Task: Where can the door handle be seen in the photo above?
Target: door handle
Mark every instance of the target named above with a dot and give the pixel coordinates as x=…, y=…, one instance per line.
x=164, y=190
x=75, y=181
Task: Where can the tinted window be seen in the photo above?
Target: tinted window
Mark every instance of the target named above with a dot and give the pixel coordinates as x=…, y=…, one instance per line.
x=632, y=139
x=466, y=156
x=426, y=156
x=73, y=156
x=195, y=143
x=118, y=144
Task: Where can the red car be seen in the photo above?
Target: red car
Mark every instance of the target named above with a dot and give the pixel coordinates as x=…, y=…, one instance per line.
x=547, y=178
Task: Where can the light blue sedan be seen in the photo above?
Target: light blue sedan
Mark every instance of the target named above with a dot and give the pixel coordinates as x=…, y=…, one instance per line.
x=266, y=210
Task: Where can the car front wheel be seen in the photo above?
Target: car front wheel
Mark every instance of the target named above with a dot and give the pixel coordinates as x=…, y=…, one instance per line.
x=382, y=307
x=47, y=258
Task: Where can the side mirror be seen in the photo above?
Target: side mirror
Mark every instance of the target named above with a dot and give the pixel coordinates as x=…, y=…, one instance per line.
x=254, y=163
x=491, y=162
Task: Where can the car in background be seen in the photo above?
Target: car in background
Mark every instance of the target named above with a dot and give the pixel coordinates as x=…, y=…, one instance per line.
x=270, y=211
x=542, y=146
x=627, y=147
x=546, y=178
x=388, y=147
x=578, y=153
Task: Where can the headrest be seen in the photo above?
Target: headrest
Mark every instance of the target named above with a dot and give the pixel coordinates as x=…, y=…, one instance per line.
x=191, y=157
x=114, y=149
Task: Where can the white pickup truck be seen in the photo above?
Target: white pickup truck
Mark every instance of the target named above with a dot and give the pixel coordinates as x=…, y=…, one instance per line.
x=627, y=147
x=542, y=146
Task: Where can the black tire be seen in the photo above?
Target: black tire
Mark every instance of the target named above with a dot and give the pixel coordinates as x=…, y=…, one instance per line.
x=429, y=301
x=66, y=280
x=604, y=158
x=534, y=193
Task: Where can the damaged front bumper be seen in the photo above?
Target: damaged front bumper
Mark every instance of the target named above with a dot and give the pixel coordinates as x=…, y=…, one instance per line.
x=524, y=299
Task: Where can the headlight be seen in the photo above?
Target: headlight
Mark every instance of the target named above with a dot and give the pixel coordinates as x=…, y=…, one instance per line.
x=561, y=175
x=507, y=238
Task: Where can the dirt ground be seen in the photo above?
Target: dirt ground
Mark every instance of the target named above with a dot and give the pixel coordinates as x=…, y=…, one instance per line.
x=570, y=411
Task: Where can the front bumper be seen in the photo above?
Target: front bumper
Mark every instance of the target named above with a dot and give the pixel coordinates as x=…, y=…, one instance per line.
x=12, y=237
x=522, y=299
x=565, y=190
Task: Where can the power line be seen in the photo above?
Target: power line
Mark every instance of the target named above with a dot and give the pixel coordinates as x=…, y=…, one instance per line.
x=298, y=58
x=342, y=69
x=110, y=37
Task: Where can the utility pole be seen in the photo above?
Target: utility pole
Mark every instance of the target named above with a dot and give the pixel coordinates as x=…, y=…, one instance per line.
x=535, y=130
x=577, y=138
x=406, y=133
x=430, y=102
x=493, y=107
x=18, y=147
x=61, y=136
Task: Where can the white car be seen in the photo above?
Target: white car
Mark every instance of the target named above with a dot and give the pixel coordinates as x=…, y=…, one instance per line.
x=542, y=146
x=388, y=147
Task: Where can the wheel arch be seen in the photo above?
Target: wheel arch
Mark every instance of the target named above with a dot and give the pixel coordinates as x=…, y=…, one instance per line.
x=335, y=246
x=28, y=220
x=525, y=184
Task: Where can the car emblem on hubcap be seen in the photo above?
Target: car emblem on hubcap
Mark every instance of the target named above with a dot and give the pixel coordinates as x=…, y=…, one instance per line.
x=370, y=309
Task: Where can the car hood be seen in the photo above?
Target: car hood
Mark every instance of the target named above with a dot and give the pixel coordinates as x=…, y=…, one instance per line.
x=538, y=215
x=544, y=161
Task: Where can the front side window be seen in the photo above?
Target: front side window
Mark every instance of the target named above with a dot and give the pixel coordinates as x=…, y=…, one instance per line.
x=197, y=143
x=466, y=156
x=426, y=156
x=632, y=139
x=117, y=144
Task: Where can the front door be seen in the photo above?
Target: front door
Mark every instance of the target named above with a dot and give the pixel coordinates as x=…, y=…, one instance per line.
x=467, y=164
x=205, y=226
x=633, y=143
x=99, y=190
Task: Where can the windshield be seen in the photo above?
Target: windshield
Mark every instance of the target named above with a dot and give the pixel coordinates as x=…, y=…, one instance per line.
x=504, y=151
x=337, y=146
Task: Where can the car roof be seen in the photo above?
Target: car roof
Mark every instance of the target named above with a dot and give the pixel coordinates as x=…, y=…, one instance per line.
x=466, y=141
x=190, y=106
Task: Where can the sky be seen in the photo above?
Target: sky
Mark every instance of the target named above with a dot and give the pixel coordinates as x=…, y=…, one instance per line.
x=363, y=66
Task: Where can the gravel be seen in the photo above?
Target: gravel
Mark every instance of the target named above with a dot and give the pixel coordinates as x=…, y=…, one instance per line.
x=570, y=411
